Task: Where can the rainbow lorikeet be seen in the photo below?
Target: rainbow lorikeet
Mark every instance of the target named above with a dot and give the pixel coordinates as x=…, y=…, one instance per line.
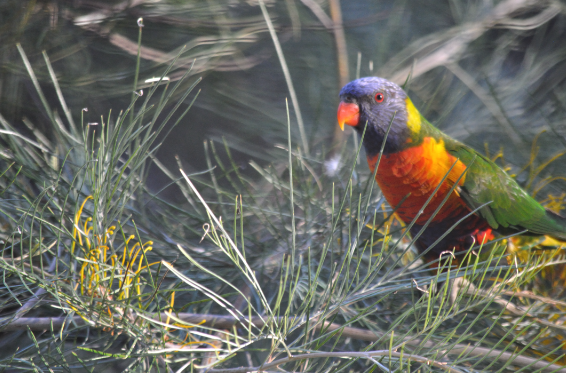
x=417, y=157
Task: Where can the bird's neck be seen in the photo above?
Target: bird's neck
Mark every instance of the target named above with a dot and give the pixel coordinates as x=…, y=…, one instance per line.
x=407, y=130
x=373, y=141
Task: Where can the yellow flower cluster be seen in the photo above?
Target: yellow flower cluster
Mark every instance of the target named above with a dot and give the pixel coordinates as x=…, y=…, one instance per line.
x=102, y=265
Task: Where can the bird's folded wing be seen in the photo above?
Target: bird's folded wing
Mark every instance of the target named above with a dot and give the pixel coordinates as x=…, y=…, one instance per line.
x=509, y=205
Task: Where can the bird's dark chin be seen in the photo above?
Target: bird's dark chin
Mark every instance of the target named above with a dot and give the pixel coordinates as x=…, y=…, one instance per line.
x=389, y=148
x=373, y=139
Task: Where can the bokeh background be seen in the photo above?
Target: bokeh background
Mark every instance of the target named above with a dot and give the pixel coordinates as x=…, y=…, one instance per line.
x=490, y=73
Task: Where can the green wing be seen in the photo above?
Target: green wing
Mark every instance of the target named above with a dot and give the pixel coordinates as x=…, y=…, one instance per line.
x=509, y=205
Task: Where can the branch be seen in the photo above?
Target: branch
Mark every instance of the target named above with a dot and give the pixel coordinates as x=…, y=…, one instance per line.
x=472, y=290
x=448, y=45
x=227, y=322
x=319, y=355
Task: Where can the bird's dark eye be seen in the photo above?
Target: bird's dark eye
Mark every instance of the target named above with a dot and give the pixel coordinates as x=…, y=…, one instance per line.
x=379, y=97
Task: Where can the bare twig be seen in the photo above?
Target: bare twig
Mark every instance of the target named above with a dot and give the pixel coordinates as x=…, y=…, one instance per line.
x=317, y=10
x=342, y=59
x=510, y=307
x=447, y=46
x=32, y=302
x=324, y=355
x=336, y=25
x=340, y=38
x=210, y=357
x=287, y=75
x=531, y=295
x=227, y=322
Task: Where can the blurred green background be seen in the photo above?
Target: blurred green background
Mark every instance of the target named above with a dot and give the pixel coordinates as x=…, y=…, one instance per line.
x=490, y=73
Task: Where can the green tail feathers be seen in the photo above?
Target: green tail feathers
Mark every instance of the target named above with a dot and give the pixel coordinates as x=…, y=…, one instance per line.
x=558, y=223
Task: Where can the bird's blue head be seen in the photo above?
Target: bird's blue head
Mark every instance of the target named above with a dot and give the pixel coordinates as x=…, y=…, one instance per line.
x=379, y=103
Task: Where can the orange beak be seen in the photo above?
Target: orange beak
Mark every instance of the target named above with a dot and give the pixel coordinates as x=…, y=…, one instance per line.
x=348, y=113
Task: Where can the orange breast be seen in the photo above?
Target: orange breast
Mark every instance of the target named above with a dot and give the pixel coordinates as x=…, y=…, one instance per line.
x=417, y=172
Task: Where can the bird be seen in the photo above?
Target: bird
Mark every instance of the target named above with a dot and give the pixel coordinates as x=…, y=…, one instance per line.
x=476, y=199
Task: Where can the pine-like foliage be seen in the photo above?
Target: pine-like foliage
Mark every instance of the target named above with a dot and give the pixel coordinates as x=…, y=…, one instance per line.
x=294, y=262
